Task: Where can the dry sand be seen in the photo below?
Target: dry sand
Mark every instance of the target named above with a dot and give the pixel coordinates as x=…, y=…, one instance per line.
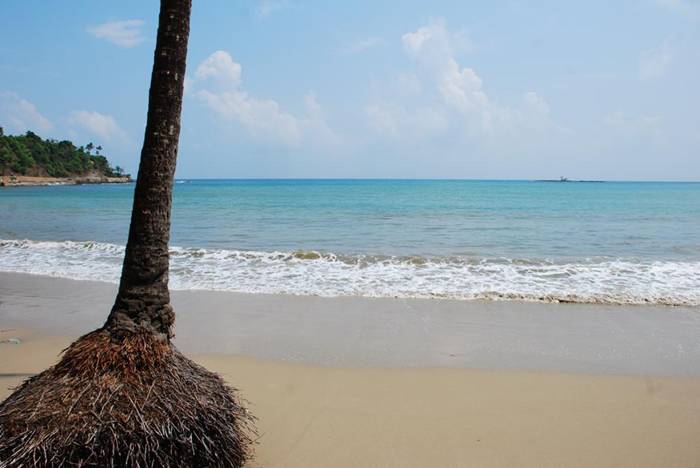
x=363, y=413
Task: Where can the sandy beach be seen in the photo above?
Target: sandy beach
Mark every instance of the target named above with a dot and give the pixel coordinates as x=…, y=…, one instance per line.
x=394, y=383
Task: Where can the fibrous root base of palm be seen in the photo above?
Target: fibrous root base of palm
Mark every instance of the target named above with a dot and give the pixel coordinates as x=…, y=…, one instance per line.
x=135, y=401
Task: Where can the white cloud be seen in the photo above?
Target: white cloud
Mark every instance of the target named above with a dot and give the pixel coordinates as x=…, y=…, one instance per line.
x=462, y=89
x=263, y=118
x=415, y=41
x=126, y=33
x=431, y=47
x=434, y=43
x=441, y=97
x=99, y=125
x=19, y=115
x=656, y=62
x=429, y=44
x=267, y=7
x=218, y=81
x=536, y=103
x=221, y=68
x=361, y=45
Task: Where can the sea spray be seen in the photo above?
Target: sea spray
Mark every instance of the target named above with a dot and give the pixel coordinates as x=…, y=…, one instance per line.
x=586, y=280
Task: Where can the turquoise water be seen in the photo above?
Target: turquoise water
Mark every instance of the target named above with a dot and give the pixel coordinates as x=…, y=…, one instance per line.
x=607, y=242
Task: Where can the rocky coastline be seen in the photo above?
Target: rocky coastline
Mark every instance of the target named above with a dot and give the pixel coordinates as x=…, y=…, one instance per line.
x=31, y=181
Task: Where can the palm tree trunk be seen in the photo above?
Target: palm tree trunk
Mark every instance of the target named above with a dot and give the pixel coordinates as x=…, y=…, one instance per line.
x=143, y=300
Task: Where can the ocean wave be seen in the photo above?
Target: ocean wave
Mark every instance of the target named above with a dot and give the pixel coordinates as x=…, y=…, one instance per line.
x=597, y=280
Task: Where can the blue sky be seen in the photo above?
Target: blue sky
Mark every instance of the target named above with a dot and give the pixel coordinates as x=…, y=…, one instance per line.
x=292, y=88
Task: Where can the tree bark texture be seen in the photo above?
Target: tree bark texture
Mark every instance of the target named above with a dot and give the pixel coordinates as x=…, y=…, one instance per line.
x=143, y=299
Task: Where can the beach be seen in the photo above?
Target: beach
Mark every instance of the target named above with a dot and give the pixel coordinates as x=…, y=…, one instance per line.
x=409, y=382
x=451, y=234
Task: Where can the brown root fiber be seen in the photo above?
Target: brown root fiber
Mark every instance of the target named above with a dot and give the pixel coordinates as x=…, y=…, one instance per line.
x=132, y=402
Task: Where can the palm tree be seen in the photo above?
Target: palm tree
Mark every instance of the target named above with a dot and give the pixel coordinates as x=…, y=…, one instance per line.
x=123, y=395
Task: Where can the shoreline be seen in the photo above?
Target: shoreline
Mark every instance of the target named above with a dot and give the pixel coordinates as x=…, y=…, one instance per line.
x=383, y=332
x=31, y=181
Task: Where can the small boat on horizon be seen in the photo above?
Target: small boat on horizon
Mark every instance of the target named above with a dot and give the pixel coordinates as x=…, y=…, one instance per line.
x=566, y=179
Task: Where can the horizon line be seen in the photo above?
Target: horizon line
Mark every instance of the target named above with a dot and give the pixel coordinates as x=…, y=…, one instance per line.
x=454, y=179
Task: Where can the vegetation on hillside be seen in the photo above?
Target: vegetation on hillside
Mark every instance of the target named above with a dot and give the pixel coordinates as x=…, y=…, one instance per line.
x=29, y=154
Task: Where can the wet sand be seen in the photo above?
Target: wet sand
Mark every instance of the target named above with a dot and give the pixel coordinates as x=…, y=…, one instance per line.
x=394, y=383
x=362, y=332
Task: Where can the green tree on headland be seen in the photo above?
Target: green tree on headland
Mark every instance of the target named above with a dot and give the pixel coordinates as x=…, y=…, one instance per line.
x=29, y=154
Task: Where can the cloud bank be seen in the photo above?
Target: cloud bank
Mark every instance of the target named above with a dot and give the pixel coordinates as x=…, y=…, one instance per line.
x=439, y=97
x=99, y=125
x=217, y=84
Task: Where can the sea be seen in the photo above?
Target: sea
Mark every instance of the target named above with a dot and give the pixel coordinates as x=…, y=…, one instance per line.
x=588, y=242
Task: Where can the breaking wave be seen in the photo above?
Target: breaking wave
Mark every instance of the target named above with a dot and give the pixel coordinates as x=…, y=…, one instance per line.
x=594, y=280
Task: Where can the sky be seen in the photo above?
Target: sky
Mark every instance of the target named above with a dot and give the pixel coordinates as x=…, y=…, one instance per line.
x=604, y=90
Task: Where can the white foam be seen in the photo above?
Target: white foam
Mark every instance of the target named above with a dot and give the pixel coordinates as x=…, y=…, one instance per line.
x=613, y=281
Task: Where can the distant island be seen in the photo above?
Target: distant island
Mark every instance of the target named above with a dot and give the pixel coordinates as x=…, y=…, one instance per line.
x=31, y=160
x=566, y=179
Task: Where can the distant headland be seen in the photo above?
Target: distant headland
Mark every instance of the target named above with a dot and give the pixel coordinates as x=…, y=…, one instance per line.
x=31, y=160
